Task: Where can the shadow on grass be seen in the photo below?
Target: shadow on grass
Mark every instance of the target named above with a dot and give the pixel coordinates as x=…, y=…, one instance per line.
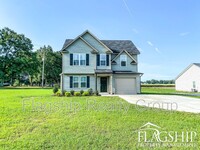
x=21, y=88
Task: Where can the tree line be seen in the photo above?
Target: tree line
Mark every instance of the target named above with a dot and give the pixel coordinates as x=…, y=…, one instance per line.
x=153, y=81
x=20, y=65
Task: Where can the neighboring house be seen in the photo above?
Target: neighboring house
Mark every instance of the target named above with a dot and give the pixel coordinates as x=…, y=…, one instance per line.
x=109, y=66
x=189, y=79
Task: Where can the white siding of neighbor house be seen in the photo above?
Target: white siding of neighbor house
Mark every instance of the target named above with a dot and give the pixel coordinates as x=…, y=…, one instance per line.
x=185, y=81
x=128, y=67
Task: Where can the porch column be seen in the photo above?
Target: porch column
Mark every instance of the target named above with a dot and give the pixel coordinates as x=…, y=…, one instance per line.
x=95, y=82
x=111, y=84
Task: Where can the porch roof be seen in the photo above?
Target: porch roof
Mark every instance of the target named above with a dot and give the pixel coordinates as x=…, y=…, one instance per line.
x=103, y=71
x=127, y=72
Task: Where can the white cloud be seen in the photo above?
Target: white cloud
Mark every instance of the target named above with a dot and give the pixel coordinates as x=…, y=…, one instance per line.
x=148, y=42
x=157, y=50
x=184, y=33
x=151, y=44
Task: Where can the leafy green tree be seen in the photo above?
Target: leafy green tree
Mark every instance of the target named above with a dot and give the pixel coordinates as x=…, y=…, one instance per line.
x=15, y=54
x=52, y=64
x=19, y=63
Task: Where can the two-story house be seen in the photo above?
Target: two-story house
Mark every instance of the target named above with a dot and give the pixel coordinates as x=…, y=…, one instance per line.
x=109, y=66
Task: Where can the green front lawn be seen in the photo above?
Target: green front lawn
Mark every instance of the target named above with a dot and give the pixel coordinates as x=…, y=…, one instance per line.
x=33, y=119
x=159, y=90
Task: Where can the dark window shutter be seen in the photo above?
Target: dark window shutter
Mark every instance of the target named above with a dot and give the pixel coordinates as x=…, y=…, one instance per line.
x=71, y=81
x=87, y=59
x=88, y=81
x=107, y=60
x=71, y=59
x=98, y=60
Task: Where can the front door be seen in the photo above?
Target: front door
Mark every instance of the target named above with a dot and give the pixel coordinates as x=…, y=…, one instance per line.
x=103, y=84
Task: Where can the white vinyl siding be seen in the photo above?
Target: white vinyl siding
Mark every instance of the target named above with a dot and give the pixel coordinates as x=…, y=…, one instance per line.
x=189, y=80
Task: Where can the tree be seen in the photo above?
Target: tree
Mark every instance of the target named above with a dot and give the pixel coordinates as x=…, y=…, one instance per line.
x=15, y=54
x=53, y=64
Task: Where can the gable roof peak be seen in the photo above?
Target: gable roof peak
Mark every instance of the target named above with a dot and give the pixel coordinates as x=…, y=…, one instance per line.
x=196, y=64
x=112, y=46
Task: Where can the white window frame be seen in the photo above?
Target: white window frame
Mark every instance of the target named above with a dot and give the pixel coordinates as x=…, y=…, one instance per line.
x=83, y=81
x=83, y=55
x=101, y=59
x=79, y=59
x=75, y=81
x=123, y=59
x=75, y=54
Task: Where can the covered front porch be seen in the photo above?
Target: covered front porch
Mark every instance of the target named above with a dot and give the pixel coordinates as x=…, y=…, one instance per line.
x=104, y=81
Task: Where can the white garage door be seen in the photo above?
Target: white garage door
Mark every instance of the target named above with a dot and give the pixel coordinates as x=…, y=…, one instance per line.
x=125, y=86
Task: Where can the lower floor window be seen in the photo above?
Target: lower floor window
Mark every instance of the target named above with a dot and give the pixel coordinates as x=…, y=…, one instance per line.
x=79, y=81
x=83, y=82
x=75, y=82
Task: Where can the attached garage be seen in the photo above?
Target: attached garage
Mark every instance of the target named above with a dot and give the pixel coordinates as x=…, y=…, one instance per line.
x=125, y=85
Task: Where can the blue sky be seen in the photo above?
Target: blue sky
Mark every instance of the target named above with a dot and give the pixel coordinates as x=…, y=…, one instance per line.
x=166, y=32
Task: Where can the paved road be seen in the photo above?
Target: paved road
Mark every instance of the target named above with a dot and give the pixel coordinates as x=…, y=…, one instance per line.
x=168, y=102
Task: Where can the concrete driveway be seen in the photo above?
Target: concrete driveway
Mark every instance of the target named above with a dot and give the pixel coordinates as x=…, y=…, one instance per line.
x=168, y=102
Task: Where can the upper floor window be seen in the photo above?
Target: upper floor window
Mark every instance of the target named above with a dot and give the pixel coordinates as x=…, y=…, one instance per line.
x=123, y=60
x=79, y=59
x=102, y=59
x=76, y=59
x=82, y=59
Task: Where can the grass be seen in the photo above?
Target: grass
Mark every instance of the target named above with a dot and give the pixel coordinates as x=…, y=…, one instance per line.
x=159, y=90
x=158, y=85
x=168, y=91
x=34, y=119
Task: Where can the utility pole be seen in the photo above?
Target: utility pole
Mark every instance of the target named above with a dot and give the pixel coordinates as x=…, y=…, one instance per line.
x=43, y=71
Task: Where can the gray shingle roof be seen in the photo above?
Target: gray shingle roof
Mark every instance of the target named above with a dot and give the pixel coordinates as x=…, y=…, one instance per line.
x=115, y=45
x=103, y=71
x=197, y=64
x=118, y=45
